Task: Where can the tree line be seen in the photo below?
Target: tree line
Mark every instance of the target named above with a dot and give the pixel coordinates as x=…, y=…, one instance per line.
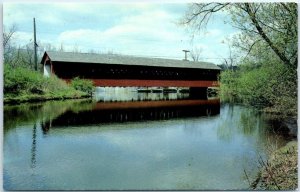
x=23, y=84
x=267, y=45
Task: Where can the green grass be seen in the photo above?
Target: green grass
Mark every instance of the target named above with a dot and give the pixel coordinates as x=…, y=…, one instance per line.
x=83, y=85
x=25, y=85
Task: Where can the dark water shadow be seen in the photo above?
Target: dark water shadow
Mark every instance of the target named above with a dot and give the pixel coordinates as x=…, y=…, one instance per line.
x=131, y=111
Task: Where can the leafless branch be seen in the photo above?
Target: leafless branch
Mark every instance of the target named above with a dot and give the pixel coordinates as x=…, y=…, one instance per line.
x=251, y=46
x=203, y=12
x=8, y=35
x=196, y=53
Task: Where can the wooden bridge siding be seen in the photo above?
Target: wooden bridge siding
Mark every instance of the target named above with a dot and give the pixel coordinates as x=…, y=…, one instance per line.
x=151, y=83
x=102, y=71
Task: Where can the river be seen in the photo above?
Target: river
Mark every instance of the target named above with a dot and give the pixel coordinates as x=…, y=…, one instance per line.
x=149, y=142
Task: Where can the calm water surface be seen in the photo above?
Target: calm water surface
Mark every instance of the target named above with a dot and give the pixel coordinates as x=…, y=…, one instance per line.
x=171, y=143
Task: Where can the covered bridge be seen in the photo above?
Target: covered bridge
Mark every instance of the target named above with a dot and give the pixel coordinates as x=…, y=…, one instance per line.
x=129, y=71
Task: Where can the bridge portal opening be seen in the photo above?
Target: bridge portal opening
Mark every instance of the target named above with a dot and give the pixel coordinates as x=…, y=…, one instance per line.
x=47, y=69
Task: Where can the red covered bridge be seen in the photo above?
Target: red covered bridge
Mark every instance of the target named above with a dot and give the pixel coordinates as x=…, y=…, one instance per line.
x=129, y=71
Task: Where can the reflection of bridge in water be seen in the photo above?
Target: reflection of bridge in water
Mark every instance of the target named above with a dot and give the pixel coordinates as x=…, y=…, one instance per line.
x=116, y=112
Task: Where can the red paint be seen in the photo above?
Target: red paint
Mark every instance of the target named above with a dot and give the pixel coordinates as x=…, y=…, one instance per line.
x=151, y=83
x=154, y=104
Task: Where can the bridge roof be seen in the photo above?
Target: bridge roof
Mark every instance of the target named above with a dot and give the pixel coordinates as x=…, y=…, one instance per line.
x=116, y=59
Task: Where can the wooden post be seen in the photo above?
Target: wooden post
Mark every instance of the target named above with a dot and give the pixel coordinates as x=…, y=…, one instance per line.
x=35, y=45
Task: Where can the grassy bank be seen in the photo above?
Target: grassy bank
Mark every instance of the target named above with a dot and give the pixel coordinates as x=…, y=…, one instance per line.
x=280, y=172
x=13, y=99
x=25, y=85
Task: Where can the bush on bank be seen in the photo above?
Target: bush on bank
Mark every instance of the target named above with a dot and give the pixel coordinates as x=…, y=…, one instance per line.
x=271, y=86
x=83, y=85
x=22, y=84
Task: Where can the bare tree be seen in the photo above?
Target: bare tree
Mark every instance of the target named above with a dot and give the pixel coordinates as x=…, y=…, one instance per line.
x=7, y=45
x=7, y=35
x=275, y=24
x=196, y=53
x=76, y=49
x=28, y=56
x=61, y=48
x=230, y=61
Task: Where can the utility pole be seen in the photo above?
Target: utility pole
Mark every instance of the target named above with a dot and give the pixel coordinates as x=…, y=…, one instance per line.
x=185, y=52
x=35, y=45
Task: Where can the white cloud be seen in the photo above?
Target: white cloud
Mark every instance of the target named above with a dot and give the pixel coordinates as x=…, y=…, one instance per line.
x=146, y=29
x=213, y=33
x=23, y=37
x=147, y=32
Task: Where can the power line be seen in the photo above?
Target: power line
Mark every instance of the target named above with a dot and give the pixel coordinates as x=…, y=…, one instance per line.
x=123, y=37
x=130, y=40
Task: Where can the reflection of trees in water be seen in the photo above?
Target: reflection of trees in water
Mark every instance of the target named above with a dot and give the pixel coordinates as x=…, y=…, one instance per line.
x=226, y=123
x=32, y=113
x=236, y=121
x=15, y=115
x=248, y=122
x=239, y=120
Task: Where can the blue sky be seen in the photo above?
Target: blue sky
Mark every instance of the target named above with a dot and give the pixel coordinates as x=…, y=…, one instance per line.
x=141, y=29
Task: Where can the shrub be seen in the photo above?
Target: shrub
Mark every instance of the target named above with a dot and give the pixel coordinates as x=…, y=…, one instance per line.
x=272, y=86
x=22, y=84
x=83, y=85
x=19, y=79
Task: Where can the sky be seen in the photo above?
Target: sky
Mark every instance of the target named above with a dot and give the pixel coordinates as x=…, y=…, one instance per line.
x=138, y=29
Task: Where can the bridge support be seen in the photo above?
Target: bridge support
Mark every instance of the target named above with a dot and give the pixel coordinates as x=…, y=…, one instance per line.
x=198, y=92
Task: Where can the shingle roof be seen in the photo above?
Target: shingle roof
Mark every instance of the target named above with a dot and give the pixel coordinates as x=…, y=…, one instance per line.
x=125, y=60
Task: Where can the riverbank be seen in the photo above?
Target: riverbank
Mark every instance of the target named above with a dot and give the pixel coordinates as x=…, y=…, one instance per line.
x=25, y=85
x=280, y=171
x=32, y=98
